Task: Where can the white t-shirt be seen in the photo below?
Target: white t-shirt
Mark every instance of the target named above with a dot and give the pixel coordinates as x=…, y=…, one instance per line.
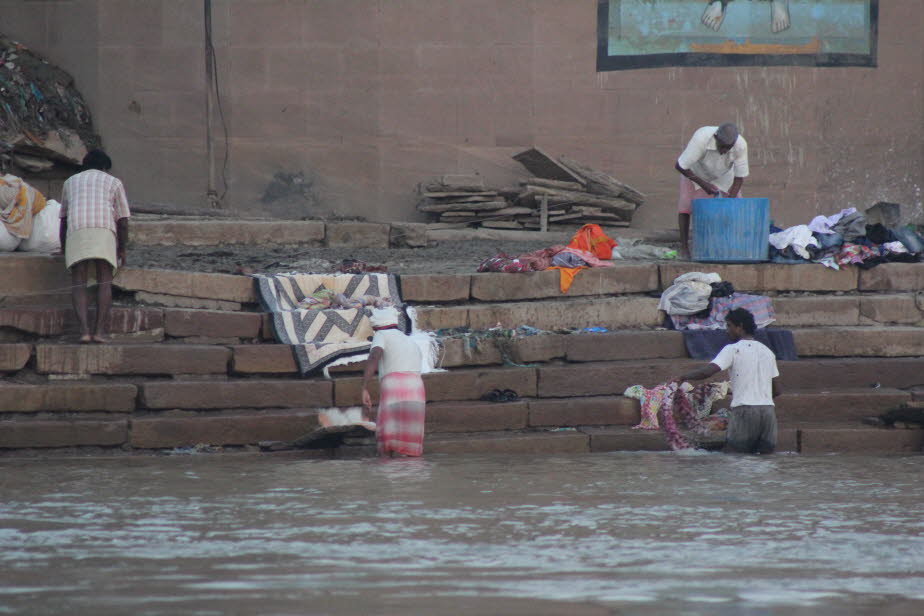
x=399, y=352
x=702, y=157
x=752, y=367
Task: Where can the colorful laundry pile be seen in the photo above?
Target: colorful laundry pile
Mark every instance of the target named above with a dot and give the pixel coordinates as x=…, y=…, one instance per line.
x=700, y=301
x=845, y=238
x=693, y=404
x=589, y=247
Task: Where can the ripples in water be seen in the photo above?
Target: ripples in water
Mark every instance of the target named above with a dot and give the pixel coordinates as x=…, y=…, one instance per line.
x=693, y=534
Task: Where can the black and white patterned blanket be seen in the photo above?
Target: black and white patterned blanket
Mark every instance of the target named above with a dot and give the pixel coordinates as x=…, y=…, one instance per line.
x=319, y=337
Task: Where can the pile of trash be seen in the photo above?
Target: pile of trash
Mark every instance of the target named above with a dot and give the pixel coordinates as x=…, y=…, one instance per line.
x=44, y=120
x=849, y=238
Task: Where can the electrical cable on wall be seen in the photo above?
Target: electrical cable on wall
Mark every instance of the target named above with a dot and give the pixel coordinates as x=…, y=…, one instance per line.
x=212, y=89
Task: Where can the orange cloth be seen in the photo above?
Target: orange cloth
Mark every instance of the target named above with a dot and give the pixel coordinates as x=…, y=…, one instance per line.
x=566, y=276
x=592, y=239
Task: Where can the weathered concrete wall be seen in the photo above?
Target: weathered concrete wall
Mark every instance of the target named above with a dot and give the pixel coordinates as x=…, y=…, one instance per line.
x=368, y=97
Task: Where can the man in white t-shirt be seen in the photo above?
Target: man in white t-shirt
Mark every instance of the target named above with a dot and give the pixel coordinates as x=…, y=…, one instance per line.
x=753, y=373
x=714, y=163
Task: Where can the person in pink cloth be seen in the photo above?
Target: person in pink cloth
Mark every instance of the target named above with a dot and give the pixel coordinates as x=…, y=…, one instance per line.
x=714, y=164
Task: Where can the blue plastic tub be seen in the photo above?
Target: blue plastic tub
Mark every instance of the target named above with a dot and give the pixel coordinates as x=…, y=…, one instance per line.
x=731, y=230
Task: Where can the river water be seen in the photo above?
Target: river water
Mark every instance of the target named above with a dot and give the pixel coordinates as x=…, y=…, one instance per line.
x=594, y=534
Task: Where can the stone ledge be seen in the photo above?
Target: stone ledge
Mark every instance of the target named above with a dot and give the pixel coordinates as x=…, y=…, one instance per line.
x=138, y=359
x=435, y=287
x=610, y=410
x=893, y=277
x=476, y=416
x=211, y=323
x=217, y=232
x=625, y=345
x=237, y=394
x=499, y=287
x=452, y=385
x=63, y=433
x=14, y=357
x=224, y=287
x=812, y=374
x=80, y=397
x=606, y=379
x=54, y=321
x=764, y=277
x=237, y=429
x=837, y=405
x=820, y=440
x=263, y=359
x=860, y=342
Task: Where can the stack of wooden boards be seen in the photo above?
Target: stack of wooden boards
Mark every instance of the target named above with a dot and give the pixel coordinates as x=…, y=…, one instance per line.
x=563, y=193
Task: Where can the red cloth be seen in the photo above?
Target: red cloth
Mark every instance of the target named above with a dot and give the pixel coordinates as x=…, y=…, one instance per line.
x=591, y=238
x=402, y=413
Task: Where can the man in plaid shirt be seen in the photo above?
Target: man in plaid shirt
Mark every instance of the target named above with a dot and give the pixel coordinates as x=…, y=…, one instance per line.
x=94, y=233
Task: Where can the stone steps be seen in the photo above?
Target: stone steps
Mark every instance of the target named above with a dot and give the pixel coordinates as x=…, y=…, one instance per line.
x=208, y=417
x=804, y=440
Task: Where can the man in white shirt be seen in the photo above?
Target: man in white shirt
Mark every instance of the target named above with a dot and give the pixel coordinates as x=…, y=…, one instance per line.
x=753, y=373
x=714, y=163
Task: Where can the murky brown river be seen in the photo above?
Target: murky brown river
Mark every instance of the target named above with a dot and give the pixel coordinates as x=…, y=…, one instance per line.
x=631, y=533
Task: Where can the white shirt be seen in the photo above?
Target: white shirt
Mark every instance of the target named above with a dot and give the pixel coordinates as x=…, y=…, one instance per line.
x=399, y=352
x=702, y=158
x=752, y=367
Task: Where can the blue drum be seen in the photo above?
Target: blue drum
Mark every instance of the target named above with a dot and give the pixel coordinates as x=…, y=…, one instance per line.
x=731, y=230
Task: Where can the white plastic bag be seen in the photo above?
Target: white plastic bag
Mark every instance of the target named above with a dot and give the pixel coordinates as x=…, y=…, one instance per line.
x=8, y=241
x=45, y=230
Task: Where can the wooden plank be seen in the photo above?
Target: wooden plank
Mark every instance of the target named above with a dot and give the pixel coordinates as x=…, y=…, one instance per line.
x=553, y=184
x=602, y=183
x=580, y=198
x=544, y=213
x=501, y=224
x=569, y=216
x=542, y=165
x=452, y=194
x=473, y=207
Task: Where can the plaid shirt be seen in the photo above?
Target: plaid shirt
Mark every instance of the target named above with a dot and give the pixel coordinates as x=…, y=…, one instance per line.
x=93, y=199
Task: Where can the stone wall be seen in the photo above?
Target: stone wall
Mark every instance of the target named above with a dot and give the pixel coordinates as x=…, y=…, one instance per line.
x=368, y=97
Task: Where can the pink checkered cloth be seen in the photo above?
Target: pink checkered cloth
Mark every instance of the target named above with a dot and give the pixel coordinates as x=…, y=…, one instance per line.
x=758, y=305
x=93, y=199
x=402, y=413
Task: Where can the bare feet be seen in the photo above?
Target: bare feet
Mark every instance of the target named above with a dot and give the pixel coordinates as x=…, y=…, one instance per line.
x=86, y=339
x=100, y=339
x=714, y=14
x=779, y=15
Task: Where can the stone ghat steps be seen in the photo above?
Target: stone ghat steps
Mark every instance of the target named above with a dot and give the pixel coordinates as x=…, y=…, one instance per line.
x=26, y=275
x=845, y=439
x=225, y=356
x=167, y=414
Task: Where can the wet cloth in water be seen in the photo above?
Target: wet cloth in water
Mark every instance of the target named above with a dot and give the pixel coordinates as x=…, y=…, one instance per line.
x=706, y=343
x=651, y=401
x=758, y=305
x=402, y=414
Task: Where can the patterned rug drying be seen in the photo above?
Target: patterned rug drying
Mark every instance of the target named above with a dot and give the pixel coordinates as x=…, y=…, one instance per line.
x=320, y=335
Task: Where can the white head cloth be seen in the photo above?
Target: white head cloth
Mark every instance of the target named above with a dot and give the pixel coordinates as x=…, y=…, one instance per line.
x=382, y=317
